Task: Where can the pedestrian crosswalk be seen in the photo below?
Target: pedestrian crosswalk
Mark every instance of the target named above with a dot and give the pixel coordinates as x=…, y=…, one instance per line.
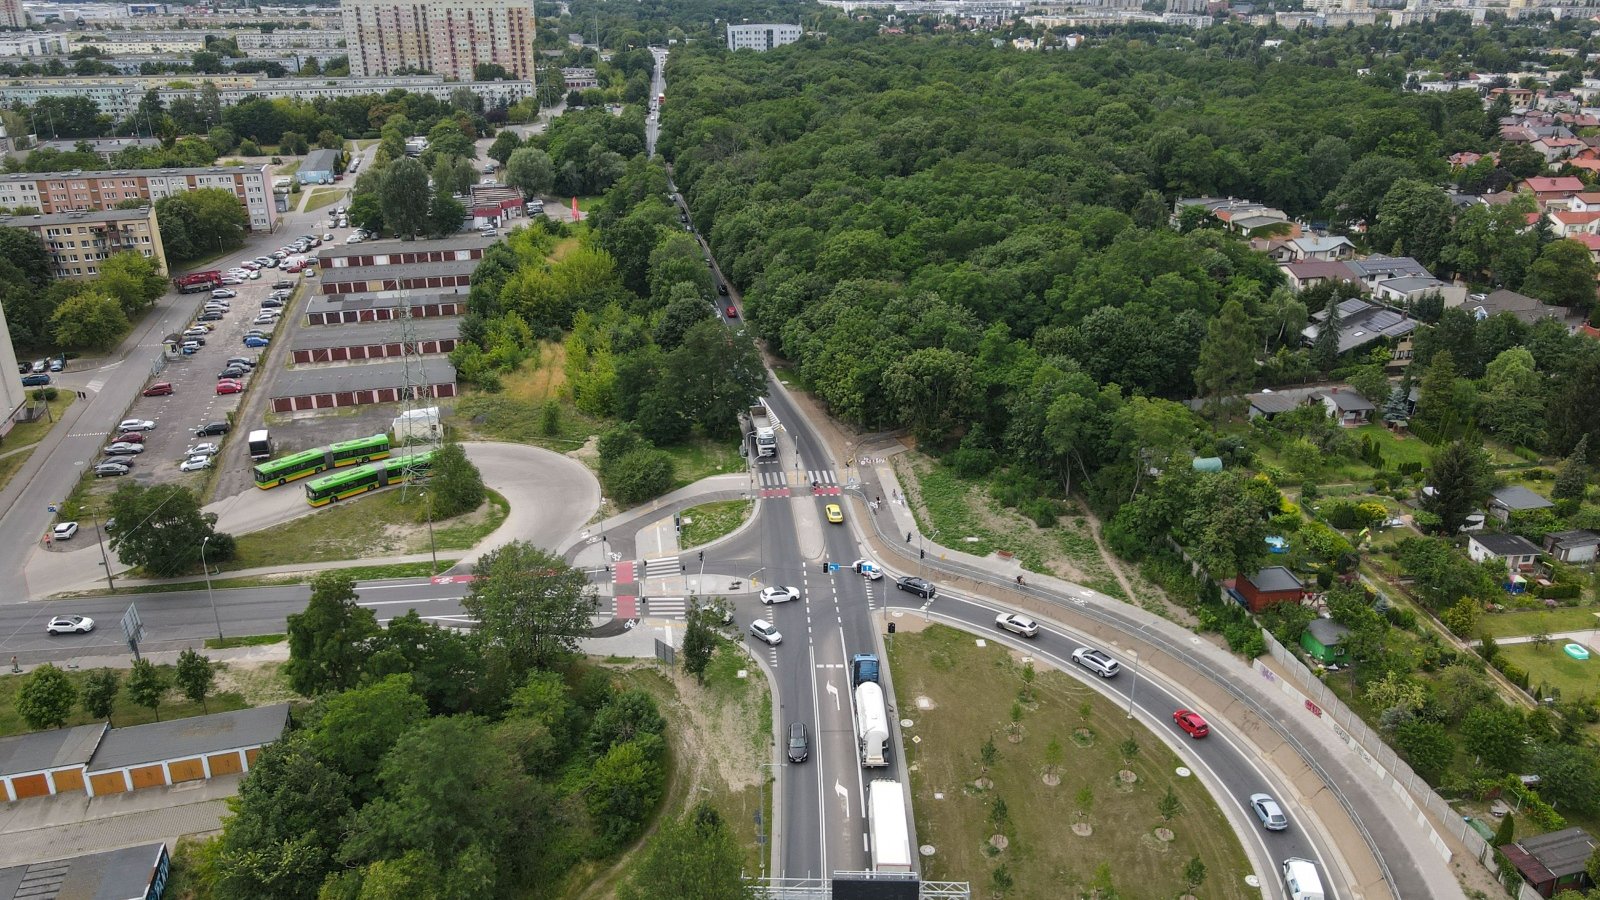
x=665, y=607
x=797, y=478
x=662, y=568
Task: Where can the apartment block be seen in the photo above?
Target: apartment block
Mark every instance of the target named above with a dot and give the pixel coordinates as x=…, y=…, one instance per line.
x=79, y=241
x=445, y=37
x=761, y=37
x=12, y=15
x=119, y=96
x=63, y=192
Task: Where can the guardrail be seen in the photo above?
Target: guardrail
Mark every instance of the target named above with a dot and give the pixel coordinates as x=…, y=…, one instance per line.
x=1110, y=617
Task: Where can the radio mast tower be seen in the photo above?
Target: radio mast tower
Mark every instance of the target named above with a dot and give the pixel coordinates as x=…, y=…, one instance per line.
x=417, y=429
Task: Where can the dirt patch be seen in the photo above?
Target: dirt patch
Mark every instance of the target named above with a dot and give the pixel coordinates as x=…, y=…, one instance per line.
x=999, y=842
x=589, y=453
x=259, y=683
x=541, y=378
x=1082, y=829
x=1052, y=779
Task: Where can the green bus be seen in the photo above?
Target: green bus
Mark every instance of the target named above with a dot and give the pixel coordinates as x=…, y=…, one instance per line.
x=365, y=478
x=310, y=462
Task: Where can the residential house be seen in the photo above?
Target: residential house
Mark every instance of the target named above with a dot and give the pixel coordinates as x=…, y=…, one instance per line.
x=1556, y=148
x=1268, y=404
x=1400, y=357
x=1554, y=862
x=1525, y=308
x=1377, y=267
x=1408, y=289
x=1518, y=553
x=1361, y=323
x=1302, y=275
x=1278, y=249
x=1346, y=406
x=1567, y=223
x=1268, y=587
x=1466, y=159
x=1323, y=639
x=1591, y=241
x=1323, y=247
x=1575, y=547
x=1588, y=201
x=1553, y=190
x=1243, y=216
x=1521, y=99
x=1506, y=501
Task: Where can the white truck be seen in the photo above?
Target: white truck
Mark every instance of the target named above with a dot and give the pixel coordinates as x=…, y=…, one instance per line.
x=765, y=425
x=886, y=823
x=872, y=724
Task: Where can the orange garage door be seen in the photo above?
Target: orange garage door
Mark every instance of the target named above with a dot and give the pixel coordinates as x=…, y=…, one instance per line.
x=225, y=764
x=148, y=777
x=30, y=786
x=107, y=783
x=186, y=770
x=69, y=781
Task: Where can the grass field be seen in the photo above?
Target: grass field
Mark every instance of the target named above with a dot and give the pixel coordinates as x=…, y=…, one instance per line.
x=966, y=695
x=1549, y=621
x=709, y=521
x=10, y=464
x=1550, y=667
x=28, y=433
x=379, y=524
x=359, y=573
x=126, y=713
x=324, y=197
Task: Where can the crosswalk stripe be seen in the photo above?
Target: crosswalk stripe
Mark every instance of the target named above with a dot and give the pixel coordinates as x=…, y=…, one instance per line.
x=661, y=568
x=665, y=607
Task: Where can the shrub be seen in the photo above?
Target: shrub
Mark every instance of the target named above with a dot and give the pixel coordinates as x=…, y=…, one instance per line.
x=1559, y=591
x=972, y=462
x=1042, y=510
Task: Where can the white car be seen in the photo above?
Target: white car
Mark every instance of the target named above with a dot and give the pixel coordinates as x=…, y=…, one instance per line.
x=328, y=236
x=1018, y=624
x=223, y=294
x=70, y=625
x=867, y=569
x=135, y=425
x=65, y=531
x=230, y=280
x=196, y=331
x=766, y=631
x=1096, y=661
x=353, y=239
x=195, y=464
x=779, y=594
x=206, y=449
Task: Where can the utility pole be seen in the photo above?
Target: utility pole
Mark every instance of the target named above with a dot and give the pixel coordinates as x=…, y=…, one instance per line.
x=105, y=560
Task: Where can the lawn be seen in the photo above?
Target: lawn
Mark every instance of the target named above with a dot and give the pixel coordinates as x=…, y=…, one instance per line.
x=1548, y=667
x=28, y=433
x=961, y=804
x=10, y=464
x=705, y=523
x=325, y=197
x=376, y=524
x=288, y=168
x=1534, y=621
x=696, y=459
x=126, y=712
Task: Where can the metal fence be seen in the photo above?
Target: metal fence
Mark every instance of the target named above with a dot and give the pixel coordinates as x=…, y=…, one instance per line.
x=1393, y=771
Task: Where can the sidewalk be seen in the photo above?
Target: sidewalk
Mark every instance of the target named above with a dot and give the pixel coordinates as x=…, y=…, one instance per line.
x=67, y=825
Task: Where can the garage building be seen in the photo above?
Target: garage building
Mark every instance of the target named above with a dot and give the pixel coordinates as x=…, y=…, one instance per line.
x=132, y=873
x=396, y=252
x=338, y=386
x=452, y=276
x=346, y=310
x=374, y=340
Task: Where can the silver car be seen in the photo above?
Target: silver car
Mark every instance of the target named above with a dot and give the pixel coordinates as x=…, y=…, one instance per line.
x=1268, y=811
x=1096, y=661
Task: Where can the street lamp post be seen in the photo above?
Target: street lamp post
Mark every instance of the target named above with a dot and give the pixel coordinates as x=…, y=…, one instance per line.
x=210, y=596
x=105, y=560
x=1135, y=685
x=433, y=548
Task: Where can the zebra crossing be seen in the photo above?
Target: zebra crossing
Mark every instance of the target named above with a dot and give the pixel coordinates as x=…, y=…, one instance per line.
x=665, y=607
x=774, y=485
x=662, y=568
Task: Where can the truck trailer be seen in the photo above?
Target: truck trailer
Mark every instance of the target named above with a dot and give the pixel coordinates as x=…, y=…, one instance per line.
x=886, y=824
x=765, y=426
x=872, y=724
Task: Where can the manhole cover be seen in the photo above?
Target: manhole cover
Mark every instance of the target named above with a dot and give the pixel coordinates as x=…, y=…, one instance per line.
x=1252, y=880
x=1183, y=772
x=905, y=723
x=926, y=849
x=744, y=673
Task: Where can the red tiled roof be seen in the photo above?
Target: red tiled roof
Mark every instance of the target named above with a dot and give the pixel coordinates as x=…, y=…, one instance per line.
x=1567, y=217
x=1592, y=241
x=1554, y=185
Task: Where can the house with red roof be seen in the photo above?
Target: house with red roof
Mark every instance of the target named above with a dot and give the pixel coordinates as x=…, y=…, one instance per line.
x=1555, y=148
x=1567, y=222
x=1550, y=190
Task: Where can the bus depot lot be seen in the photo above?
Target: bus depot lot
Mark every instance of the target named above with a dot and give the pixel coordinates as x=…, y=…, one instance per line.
x=305, y=431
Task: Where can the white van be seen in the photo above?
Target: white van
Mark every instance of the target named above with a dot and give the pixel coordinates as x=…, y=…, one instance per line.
x=1300, y=877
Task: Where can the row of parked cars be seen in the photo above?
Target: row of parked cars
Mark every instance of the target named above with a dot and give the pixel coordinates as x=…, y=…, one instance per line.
x=128, y=444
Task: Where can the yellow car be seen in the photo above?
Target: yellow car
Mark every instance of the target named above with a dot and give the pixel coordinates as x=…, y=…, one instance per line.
x=835, y=514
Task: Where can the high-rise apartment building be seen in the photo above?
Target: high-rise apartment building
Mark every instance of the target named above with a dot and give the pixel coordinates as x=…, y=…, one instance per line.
x=12, y=14
x=63, y=192
x=444, y=37
x=761, y=37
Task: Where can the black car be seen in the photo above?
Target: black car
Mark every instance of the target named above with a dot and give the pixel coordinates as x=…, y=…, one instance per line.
x=245, y=361
x=270, y=303
x=917, y=586
x=723, y=289
x=283, y=285
x=209, y=317
x=211, y=429
x=799, y=743
x=233, y=372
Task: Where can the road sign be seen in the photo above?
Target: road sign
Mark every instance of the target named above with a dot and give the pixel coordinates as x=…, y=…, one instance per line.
x=52, y=507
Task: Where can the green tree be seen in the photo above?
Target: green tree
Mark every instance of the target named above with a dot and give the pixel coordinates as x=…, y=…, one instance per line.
x=1194, y=874
x=354, y=729
x=1365, y=185
x=624, y=787
x=133, y=279
x=1573, y=480
x=1494, y=733
x=1169, y=805
x=403, y=197
x=46, y=698
x=1325, y=349
x=1570, y=772
x=89, y=320
x=638, y=475
x=23, y=249
x=1370, y=382
x=531, y=171
x=530, y=604
x=505, y=143
x=1459, y=478
x=445, y=665
x=717, y=373
x=100, y=691
x=200, y=222
x=1563, y=275
x=329, y=641
x=1427, y=747
x=171, y=529
x=445, y=215
x=454, y=483
x=148, y=685
x=1436, y=395
x=366, y=213
x=694, y=857
x=1414, y=218
x=1228, y=355
x=196, y=676
x=1506, y=833
x=699, y=640
x=935, y=390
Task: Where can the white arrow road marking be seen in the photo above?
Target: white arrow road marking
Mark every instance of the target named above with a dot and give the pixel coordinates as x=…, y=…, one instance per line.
x=844, y=797
x=835, y=692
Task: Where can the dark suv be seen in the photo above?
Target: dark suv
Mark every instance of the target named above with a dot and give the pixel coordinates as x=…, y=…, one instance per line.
x=917, y=586
x=799, y=743
x=212, y=429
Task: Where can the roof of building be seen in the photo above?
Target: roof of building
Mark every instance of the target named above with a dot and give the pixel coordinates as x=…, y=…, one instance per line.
x=425, y=328
x=1540, y=185
x=319, y=303
x=1516, y=497
x=1327, y=632
x=1522, y=306
x=1319, y=268
x=1347, y=400
x=1591, y=241
x=129, y=872
x=182, y=738
x=1379, y=266
x=1506, y=544
x=1410, y=284
x=323, y=160
x=142, y=173
x=1271, y=403
x=98, y=145
x=1571, y=217
x=76, y=217
x=399, y=270
x=1316, y=243
x=1575, y=538
x=40, y=750
x=361, y=377
x=463, y=241
x=1361, y=323
x=1275, y=578
x=1551, y=856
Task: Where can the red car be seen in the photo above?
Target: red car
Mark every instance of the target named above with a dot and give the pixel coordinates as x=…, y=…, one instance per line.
x=132, y=437
x=733, y=311
x=1191, y=723
x=159, y=389
x=229, y=387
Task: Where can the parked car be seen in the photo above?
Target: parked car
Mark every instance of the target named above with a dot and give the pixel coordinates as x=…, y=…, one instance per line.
x=252, y=266
x=779, y=594
x=224, y=294
x=137, y=424
x=70, y=625
x=107, y=469
x=229, y=387
x=206, y=448
x=282, y=285
x=799, y=743
x=209, y=317
x=733, y=311
x=40, y=365
x=767, y=632
x=271, y=303
x=233, y=372
x=190, y=347
x=256, y=341
x=64, y=531
x=57, y=364
x=918, y=586
x=195, y=464
x=232, y=280
x=159, y=389
x=129, y=437
x=1192, y=723
x=197, y=340
x=196, y=331
x=1017, y=624
x=245, y=361
x=1096, y=661
x=1269, y=812
x=211, y=429
x=36, y=380
x=123, y=449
